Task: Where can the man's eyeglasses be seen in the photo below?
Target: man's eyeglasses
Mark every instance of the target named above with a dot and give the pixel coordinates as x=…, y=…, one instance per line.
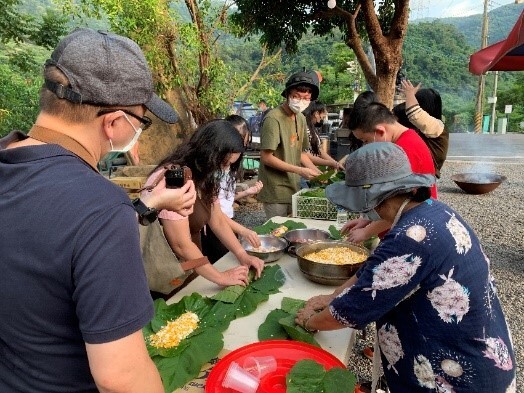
x=145, y=122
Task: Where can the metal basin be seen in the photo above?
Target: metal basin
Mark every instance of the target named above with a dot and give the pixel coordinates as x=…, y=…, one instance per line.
x=323, y=273
x=299, y=237
x=478, y=183
x=265, y=242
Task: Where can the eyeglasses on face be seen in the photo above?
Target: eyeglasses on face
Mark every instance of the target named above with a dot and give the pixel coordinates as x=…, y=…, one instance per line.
x=145, y=122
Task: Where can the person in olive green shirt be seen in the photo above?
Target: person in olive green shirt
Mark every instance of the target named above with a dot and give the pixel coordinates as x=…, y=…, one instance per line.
x=284, y=144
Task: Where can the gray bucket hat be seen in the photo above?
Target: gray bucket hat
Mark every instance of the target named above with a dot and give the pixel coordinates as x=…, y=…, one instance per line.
x=375, y=172
x=108, y=70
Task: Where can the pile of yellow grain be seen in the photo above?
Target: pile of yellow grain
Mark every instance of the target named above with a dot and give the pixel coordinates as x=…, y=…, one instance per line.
x=173, y=332
x=337, y=256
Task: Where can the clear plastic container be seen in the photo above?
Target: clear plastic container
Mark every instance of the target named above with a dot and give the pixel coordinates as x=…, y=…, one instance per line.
x=342, y=217
x=240, y=380
x=260, y=365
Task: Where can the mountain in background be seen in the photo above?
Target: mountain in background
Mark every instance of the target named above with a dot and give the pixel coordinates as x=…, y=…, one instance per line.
x=500, y=22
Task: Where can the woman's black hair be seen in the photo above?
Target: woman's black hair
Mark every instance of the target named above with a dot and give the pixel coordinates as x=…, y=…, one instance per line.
x=399, y=111
x=430, y=101
x=421, y=194
x=314, y=106
x=205, y=152
x=240, y=124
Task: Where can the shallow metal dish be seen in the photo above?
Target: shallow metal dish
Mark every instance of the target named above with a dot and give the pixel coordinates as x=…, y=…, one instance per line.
x=478, y=183
x=323, y=273
x=267, y=241
x=299, y=237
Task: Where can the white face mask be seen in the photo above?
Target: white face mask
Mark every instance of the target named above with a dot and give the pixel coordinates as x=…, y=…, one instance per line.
x=132, y=142
x=297, y=105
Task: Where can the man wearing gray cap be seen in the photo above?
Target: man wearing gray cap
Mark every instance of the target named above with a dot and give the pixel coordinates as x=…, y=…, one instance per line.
x=74, y=293
x=428, y=285
x=284, y=144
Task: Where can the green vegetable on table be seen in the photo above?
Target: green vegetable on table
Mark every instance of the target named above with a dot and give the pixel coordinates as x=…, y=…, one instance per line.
x=181, y=364
x=269, y=226
x=308, y=376
x=329, y=177
x=280, y=324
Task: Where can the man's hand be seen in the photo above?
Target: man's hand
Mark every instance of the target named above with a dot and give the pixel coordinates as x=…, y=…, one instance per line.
x=180, y=200
x=309, y=173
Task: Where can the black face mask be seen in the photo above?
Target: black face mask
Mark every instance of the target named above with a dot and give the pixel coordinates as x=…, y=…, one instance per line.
x=320, y=123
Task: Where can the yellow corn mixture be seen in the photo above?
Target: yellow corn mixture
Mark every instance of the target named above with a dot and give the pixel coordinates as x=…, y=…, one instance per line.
x=336, y=256
x=175, y=331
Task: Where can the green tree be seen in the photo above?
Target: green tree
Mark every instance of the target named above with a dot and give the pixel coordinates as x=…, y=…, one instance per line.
x=384, y=26
x=181, y=41
x=513, y=94
x=437, y=55
x=25, y=40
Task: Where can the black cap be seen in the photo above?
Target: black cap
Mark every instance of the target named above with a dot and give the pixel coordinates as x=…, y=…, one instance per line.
x=303, y=78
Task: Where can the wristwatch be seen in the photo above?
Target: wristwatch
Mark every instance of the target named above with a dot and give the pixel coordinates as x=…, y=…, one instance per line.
x=146, y=215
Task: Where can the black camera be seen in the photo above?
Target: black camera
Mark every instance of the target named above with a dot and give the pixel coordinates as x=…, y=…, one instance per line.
x=177, y=177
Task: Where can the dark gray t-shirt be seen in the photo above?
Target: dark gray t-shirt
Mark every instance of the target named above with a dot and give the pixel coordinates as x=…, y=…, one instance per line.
x=71, y=270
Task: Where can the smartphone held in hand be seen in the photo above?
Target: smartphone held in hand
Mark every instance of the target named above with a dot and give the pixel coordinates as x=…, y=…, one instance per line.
x=177, y=177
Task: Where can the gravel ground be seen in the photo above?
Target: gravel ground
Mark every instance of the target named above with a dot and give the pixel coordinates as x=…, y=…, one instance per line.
x=497, y=218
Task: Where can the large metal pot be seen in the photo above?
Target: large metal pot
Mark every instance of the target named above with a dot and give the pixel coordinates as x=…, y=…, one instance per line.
x=323, y=273
x=477, y=183
x=265, y=242
x=299, y=237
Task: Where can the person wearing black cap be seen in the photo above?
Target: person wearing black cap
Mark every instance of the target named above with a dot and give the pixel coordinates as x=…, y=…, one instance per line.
x=74, y=292
x=284, y=144
x=428, y=285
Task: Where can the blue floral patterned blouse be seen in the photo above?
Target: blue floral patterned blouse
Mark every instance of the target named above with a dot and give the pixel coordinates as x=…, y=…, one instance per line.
x=439, y=322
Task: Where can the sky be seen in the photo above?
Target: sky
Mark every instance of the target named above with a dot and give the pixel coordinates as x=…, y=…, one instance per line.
x=451, y=8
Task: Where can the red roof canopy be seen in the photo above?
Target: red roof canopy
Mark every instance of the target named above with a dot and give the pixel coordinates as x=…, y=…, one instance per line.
x=506, y=55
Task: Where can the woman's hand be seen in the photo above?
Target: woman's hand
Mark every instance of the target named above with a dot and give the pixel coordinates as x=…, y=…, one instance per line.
x=356, y=230
x=255, y=189
x=358, y=235
x=303, y=317
x=408, y=89
x=250, y=260
x=352, y=225
x=337, y=165
x=250, y=236
x=318, y=303
x=234, y=276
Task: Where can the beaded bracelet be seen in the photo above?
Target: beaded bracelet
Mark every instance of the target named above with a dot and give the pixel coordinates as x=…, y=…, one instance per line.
x=305, y=325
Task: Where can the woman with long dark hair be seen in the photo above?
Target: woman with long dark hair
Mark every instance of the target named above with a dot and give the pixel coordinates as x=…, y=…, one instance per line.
x=315, y=115
x=213, y=152
x=212, y=247
x=422, y=112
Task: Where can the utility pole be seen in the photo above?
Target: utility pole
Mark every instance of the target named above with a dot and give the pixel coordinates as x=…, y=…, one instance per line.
x=480, y=92
x=494, y=109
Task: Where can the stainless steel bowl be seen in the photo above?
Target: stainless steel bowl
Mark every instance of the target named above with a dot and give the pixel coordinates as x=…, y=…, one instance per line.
x=267, y=241
x=299, y=237
x=323, y=273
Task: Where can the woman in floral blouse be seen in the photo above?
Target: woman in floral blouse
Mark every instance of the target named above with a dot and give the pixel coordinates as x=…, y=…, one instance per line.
x=427, y=286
